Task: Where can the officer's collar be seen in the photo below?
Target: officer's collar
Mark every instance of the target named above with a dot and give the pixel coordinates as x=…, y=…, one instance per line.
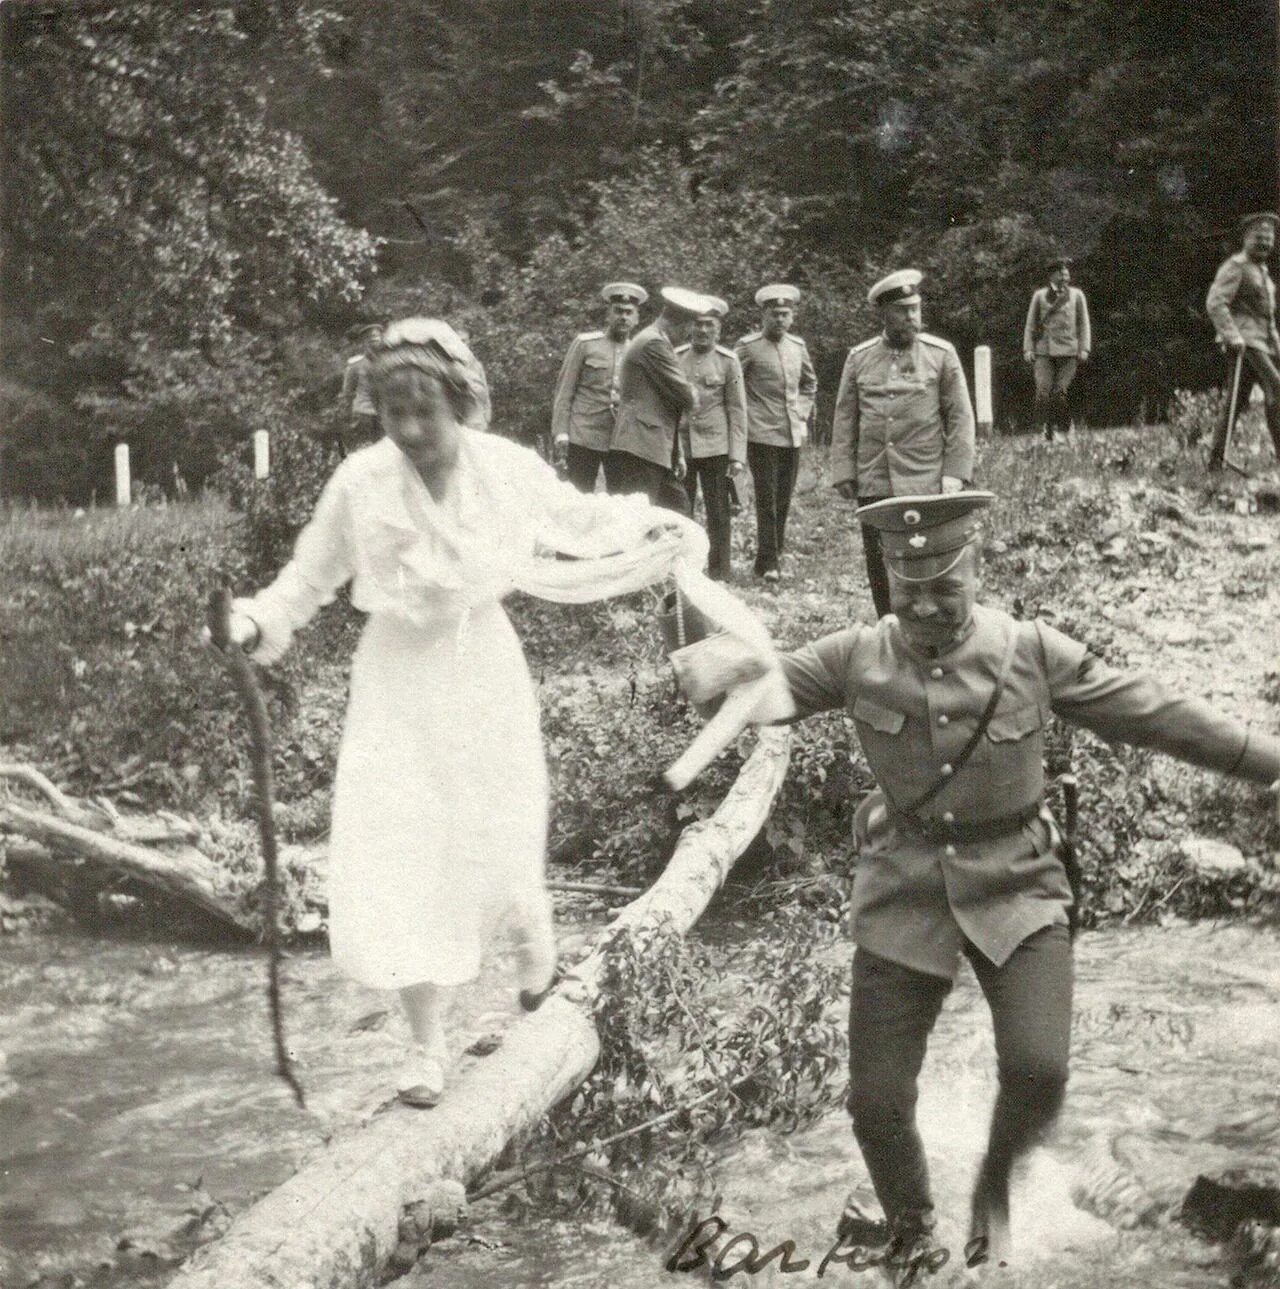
x=898, y=349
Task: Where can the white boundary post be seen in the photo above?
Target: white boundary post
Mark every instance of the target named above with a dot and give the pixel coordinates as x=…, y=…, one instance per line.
x=261, y=454
x=982, y=388
x=123, y=491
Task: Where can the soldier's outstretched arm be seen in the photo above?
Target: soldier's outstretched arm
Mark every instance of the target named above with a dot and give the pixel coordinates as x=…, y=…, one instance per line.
x=1136, y=708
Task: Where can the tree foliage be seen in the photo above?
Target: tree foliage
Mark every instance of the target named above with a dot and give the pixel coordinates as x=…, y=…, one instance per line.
x=212, y=179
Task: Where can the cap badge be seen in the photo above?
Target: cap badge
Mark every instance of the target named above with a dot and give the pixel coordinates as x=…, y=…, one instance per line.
x=918, y=540
x=911, y=517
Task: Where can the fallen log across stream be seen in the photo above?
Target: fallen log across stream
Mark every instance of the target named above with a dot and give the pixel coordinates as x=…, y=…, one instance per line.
x=335, y=1223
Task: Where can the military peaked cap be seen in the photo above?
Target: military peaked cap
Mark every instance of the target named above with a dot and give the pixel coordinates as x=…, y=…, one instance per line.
x=896, y=288
x=926, y=526
x=777, y=293
x=624, y=293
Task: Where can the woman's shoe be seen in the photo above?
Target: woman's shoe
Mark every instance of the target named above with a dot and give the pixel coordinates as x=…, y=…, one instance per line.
x=421, y=1081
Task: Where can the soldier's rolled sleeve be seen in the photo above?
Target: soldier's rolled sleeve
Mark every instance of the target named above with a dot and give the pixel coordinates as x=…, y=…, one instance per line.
x=1135, y=708
x=566, y=384
x=818, y=673
x=1217, y=304
x=844, y=427
x=735, y=401
x=957, y=419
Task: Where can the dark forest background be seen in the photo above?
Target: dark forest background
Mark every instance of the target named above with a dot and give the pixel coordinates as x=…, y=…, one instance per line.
x=200, y=199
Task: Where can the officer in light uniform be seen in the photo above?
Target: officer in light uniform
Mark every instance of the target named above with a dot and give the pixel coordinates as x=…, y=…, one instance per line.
x=1242, y=306
x=716, y=435
x=957, y=852
x=903, y=420
x=781, y=387
x=645, y=453
x=586, y=397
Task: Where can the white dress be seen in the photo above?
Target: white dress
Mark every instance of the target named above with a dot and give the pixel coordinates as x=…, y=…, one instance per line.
x=440, y=800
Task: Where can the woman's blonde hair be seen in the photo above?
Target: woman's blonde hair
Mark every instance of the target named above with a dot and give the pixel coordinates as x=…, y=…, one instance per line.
x=431, y=345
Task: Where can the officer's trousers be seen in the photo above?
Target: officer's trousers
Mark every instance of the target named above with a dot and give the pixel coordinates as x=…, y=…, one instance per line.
x=713, y=474
x=892, y=1010
x=583, y=465
x=773, y=472
x=873, y=553
x=1053, y=379
x=1259, y=369
x=624, y=472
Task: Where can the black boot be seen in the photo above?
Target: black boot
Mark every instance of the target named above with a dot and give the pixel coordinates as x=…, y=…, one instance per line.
x=913, y=1254
x=988, y=1218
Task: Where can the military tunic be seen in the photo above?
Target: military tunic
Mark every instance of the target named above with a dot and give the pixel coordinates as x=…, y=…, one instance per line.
x=1242, y=304
x=586, y=396
x=915, y=900
x=653, y=391
x=903, y=419
x=781, y=386
x=719, y=426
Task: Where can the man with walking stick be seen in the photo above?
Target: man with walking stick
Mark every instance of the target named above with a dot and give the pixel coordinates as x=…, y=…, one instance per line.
x=1242, y=306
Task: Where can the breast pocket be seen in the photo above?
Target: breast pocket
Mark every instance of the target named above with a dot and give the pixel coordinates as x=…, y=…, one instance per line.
x=597, y=373
x=1013, y=752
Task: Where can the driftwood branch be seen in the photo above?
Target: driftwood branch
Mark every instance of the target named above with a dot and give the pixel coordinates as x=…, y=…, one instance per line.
x=595, y=888
x=334, y=1224
x=190, y=876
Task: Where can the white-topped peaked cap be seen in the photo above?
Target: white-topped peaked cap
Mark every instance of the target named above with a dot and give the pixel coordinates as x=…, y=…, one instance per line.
x=716, y=307
x=624, y=293
x=896, y=288
x=778, y=293
x=689, y=303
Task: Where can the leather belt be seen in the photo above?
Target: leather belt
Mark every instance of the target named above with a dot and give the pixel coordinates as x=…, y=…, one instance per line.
x=964, y=830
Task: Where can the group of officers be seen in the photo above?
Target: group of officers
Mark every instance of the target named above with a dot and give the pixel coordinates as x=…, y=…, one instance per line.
x=667, y=410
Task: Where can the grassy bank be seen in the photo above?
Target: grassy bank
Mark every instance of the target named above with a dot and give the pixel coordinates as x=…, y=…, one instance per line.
x=1118, y=539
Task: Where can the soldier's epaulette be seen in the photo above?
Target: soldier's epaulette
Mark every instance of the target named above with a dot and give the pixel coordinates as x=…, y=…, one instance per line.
x=590, y=335
x=724, y=349
x=866, y=344
x=684, y=348
x=798, y=340
x=751, y=337
x=936, y=341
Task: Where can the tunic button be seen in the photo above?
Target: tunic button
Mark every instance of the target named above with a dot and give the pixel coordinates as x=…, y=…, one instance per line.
x=950, y=852
x=944, y=719
x=946, y=770
x=936, y=673
x=948, y=817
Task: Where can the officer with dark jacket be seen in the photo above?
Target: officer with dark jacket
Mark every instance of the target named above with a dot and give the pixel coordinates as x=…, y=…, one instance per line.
x=653, y=394
x=957, y=852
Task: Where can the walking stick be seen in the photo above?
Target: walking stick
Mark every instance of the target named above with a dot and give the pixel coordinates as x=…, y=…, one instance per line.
x=1232, y=411
x=264, y=793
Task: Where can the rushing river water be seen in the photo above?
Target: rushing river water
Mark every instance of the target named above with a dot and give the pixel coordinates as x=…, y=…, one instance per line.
x=137, y=1099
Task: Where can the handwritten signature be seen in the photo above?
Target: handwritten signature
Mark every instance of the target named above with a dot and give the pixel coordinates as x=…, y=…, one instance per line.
x=742, y=1253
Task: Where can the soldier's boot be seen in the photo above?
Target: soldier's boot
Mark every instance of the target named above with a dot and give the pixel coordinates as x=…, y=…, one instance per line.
x=912, y=1255
x=856, y=1228
x=989, y=1240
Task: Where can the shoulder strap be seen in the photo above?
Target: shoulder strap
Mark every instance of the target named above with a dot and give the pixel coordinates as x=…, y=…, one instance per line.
x=958, y=761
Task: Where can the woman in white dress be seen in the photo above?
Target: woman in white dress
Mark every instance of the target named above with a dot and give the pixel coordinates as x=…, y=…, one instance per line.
x=440, y=799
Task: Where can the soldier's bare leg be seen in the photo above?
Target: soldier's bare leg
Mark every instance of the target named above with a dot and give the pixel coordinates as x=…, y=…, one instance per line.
x=1030, y=1001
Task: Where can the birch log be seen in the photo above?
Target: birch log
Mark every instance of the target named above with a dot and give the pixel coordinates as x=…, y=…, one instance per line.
x=334, y=1224
x=188, y=876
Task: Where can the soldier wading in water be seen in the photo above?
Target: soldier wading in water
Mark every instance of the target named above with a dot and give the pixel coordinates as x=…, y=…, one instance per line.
x=958, y=854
